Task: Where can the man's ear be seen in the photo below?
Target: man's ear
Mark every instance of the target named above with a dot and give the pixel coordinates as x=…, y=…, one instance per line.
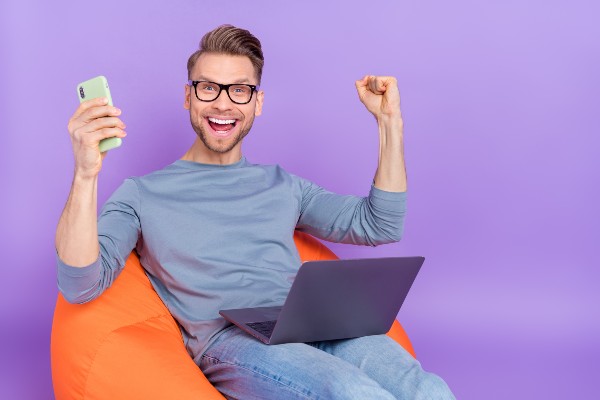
x=260, y=97
x=188, y=92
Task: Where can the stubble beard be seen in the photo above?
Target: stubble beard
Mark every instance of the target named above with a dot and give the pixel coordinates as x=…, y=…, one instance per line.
x=204, y=136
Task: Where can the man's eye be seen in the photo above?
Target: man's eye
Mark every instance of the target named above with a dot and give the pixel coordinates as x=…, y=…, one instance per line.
x=208, y=88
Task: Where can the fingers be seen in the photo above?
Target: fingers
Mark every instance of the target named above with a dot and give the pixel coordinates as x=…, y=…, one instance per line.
x=92, y=115
x=362, y=86
x=379, y=94
x=94, y=138
x=86, y=105
x=89, y=111
x=96, y=112
x=106, y=122
x=362, y=83
x=93, y=121
x=97, y=124
x=91, y=140
x=377, y=84
x=99, y=112
x=86, y=146
x=99, y=129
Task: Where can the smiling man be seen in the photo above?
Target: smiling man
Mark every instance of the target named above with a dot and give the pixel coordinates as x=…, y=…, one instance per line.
x=215, y=231
x=221, y=121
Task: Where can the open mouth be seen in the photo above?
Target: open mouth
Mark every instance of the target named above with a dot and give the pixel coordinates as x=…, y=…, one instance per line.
x=221, y=127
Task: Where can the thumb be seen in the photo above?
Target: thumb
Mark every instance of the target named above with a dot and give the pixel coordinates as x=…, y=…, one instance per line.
x=362, y=82
x=361, y=85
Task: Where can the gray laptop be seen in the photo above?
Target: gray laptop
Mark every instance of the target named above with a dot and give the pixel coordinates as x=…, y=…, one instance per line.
x=334, y=299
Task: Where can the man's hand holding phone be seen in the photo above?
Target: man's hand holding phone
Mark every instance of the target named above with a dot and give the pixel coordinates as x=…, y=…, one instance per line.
x=93, y=121
x=95, y=127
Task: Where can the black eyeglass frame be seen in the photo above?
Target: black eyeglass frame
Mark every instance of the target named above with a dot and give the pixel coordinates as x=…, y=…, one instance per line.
x=253, y=88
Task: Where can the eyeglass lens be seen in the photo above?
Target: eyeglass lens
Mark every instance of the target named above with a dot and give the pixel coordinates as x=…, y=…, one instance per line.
x=208, y=91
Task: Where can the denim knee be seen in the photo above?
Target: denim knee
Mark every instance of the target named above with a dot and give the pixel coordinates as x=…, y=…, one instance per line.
x=342, y=385
x=431, y=387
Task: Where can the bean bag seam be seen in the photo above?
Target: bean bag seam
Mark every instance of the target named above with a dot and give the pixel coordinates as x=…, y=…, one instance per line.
x=85, y=387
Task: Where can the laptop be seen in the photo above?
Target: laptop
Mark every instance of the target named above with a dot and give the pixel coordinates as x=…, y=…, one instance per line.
x=334, y=299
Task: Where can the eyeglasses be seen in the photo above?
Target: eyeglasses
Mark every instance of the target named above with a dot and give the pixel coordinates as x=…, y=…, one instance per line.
x=210, y=91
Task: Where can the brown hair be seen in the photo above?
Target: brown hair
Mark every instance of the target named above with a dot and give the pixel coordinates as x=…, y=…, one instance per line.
x=227, y=39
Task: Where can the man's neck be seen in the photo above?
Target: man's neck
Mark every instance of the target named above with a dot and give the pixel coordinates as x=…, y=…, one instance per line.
x=200, y=154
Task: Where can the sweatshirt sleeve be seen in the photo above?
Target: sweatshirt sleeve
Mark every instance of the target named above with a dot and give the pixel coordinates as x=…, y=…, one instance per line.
x=372, y=220
x=119, y=229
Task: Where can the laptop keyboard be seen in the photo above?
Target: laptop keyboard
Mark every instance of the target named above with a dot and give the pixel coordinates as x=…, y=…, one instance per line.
x=265, y=327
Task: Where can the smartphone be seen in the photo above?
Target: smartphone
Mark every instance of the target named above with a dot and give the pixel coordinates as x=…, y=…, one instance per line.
x=91, y=89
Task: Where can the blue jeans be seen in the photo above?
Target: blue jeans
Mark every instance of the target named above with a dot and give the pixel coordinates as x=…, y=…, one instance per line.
x=371, y=367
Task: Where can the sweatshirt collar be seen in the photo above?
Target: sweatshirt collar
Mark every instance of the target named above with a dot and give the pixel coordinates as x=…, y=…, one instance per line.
x=208, y=167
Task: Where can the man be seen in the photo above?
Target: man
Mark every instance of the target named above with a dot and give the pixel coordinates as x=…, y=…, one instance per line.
x=214, y=231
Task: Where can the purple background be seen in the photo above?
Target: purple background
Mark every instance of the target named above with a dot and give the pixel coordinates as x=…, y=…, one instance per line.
x=501, y=128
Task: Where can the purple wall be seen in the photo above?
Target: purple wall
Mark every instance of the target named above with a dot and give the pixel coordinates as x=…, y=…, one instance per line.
x=502, y=145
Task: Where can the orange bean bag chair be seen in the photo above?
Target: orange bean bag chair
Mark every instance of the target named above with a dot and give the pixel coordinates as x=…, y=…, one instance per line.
x=126, y=345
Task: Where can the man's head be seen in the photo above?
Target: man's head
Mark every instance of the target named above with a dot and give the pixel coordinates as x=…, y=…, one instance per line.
x=227, y=39
x=227, y=55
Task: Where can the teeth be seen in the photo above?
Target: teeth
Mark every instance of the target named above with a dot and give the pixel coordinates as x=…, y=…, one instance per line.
x=222, y=121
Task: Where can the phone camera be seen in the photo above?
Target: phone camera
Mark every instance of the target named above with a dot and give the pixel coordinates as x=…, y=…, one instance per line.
x=81, y=92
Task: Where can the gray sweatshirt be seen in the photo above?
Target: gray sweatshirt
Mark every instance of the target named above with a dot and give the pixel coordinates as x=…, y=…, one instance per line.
x=214, y=237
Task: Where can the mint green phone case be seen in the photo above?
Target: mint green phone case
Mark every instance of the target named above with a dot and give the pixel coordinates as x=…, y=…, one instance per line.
x=91, y=89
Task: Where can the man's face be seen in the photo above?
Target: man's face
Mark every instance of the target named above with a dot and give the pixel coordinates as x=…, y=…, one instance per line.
x=224, y=69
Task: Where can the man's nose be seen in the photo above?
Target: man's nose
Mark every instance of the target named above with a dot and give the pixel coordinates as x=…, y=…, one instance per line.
x=223, y=102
